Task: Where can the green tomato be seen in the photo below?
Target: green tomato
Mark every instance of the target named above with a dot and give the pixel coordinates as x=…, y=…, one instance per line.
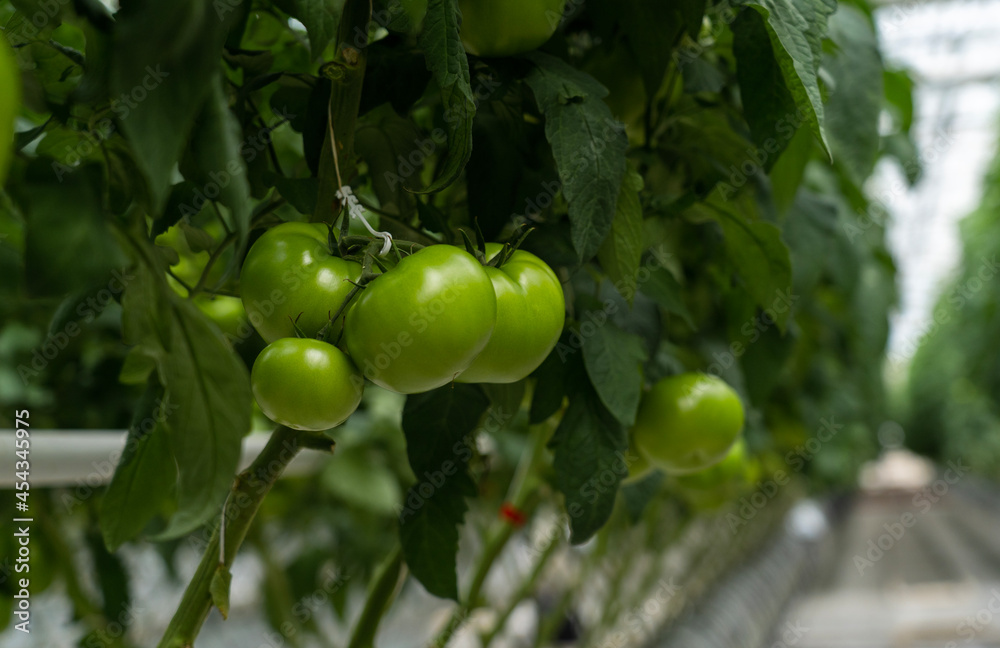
x=733, y=470
x=530, y=315
x=716, y=486
x=419, y=325
x=289, y=274
x=508, y=27
x=639, y=467
x=688, y=422
x=10, y=101
x=306, y=384
x=227, y=313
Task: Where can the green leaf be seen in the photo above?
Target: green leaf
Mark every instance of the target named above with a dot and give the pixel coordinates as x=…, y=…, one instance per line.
x=68, y=244
x=166, y=55
x=353, y=476
x=760, y=257
x=855, y=103
x=621, y=251
x=768, y=105
x=614, y=358
x=299, y=192
x=145, y=476
x=653, y=28
x=208, y=384
x=588, y=145
x=899, y=96
x=320, y=18
x=588, y=448
x=215, y=164
x=809, y=230
x=446, y=59
x=505, y=398
x=222, y=579
x=637, y=495
x=666, y=291
x=387, y=143
x=439, y=426
x=550, y=386
x=787, y=173
x=796, y=29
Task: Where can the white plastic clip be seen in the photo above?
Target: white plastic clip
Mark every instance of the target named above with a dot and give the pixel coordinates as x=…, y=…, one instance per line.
x=354, y=208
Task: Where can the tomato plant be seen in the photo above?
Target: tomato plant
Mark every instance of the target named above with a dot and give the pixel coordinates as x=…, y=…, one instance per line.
x=686, y=193
x=306, y=384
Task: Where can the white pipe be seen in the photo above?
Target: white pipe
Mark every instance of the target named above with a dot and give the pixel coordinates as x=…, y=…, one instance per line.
x=60, y=458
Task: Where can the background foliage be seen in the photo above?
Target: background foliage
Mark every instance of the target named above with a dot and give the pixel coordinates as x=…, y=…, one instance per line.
x=694, y=174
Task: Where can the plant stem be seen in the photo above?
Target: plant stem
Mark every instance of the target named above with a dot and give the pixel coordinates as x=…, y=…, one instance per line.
x=348, y=70
x=525, y=590
x=521, y=494
x=248, y=492
x=380, y=595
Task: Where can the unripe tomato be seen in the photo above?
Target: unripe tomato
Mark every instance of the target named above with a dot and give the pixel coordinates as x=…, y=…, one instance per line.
x=289, y=273
x=688, y=422
x=530, y=315
x=718, y=485
x=10, y=102
x=306, y=384
x=423, y=322
x=227, y=313
x=732, y=470
x=639, y=467
x=508, y=27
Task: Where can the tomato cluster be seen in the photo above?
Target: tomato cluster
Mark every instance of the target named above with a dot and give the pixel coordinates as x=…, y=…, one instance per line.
x=439, y=315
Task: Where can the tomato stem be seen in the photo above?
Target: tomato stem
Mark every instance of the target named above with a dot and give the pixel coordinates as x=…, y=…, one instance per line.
x=383, y=589
x=251, y=486
x=522, y=494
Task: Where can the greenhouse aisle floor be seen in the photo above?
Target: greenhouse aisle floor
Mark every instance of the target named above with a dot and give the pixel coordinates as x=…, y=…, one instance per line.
x=914, y=569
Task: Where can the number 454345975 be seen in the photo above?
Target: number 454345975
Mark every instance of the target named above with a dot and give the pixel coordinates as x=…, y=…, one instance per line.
x=22, y=445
